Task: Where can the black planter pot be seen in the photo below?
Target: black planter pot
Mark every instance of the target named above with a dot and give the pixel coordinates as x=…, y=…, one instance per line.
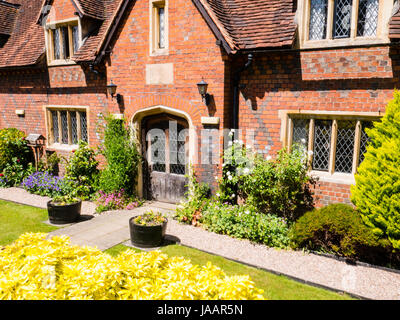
x=64, y=214
x=147, y=236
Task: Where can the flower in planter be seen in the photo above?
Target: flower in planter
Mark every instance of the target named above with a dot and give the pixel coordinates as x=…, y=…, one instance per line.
x=150, y=218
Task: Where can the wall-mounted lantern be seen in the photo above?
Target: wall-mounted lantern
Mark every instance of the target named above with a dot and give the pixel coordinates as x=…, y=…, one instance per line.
x=203, y=86
x=112, y=90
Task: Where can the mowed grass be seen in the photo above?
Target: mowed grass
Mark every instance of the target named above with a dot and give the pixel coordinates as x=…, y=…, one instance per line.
x=16, y=219
x=275, y=287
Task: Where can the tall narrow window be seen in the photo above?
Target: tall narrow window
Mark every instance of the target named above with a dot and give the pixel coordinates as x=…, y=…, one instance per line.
x=56, y=44
x=342, y=18
x=345, y=146
x=75, y=37
x=65, y=43
x=322, y=144
x=318, y=19
x=367, y=18
x=161, y=27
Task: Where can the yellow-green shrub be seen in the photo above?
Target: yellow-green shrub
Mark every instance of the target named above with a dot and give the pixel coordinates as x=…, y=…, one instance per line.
x=34, y=268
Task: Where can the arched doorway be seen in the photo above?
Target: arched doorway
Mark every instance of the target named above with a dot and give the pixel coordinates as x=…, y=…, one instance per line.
x=165, y=147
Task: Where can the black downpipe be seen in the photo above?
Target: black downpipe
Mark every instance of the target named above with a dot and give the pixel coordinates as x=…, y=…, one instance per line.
x=236, y=88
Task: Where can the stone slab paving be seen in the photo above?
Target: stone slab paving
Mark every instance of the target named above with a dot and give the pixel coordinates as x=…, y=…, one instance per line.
x=112, y=228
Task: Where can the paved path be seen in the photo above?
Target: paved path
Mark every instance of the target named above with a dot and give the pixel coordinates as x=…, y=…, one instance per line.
x=112, y=228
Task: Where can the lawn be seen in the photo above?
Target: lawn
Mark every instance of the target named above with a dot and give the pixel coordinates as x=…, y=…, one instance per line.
x=275, y=287
x=16, y=219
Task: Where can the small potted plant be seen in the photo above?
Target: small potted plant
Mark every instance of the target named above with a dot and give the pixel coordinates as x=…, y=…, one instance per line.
x=148, y=229
x=64, y=209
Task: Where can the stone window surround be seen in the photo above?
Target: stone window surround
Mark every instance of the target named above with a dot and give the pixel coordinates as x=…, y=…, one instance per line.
x=49, y=43
x=60, y=146
x=330, y=176
x=154, y=27
x=303, y=20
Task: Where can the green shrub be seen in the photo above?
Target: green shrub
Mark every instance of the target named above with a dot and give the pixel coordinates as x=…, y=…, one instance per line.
x=339, y=229
x=245, y=222
x=281, y=186
x=189, y=211
x=122, y=158
x=14, y=145
x=81, y=172
x=377, y=190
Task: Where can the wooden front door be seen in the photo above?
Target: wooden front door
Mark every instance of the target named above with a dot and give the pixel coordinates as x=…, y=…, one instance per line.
x=165, y=142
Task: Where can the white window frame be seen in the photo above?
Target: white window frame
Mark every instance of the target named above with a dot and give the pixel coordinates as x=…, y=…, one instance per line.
x=287, y=117
x=49, y=40
x=51, y=144
x=155, y=49
x=303, y=21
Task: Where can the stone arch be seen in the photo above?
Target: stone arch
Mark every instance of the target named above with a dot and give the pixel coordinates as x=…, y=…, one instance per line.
x=136, y=122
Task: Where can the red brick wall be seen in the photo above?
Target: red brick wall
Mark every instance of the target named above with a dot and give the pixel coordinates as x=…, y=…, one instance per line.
x=360, y=79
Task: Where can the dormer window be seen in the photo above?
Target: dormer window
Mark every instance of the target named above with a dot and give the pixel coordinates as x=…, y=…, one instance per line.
x=63, y=41
x=344, y=22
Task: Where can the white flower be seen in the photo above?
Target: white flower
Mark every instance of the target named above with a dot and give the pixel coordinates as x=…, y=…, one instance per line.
x=229, y=178
x=235, y=141
x=310, y=153
x=246, y=170
x=216, y=178
x=218, y=195
x=230, y=134
x=228, y=173
x=247, y=212
x=269, y=158
x=303, y=141
x=233, y=195
x=229, y=143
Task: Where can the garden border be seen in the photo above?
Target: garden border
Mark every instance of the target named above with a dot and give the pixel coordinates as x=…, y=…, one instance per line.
x=313, y=284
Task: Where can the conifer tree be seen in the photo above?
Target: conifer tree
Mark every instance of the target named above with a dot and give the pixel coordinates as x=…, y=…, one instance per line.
x=377, y=190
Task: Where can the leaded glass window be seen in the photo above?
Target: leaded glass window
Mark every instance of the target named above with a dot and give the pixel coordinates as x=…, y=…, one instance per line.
x=335, y=145
x=342, y=19
x=367, y=18
x=364, y=140
x=345, y=146
x=301, y=129
x=161, y=25
x=318, y=19
x=67, y=126
x=158, y=152
x=177, y=149
x=75, y=37
x=322, y=144
x=56, y=44
x=56, y=130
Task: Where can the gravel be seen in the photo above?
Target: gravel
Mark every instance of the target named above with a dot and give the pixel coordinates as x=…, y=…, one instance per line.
x=112, y=228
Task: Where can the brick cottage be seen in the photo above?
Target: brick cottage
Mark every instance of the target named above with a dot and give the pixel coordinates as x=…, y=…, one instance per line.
x=316, y=72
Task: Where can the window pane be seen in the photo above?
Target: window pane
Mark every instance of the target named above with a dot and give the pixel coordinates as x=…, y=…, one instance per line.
x=345, y=146
x=158, y=152
x=301, y=131
x=65, y=42
x=364, y=139
x=64, y=127
x=318, y=14
x=56, y=44
x=161, y=23
x=74, y=127
x=177, y=151
x=322, y=144
x=342, y=19
x=83, y=124
x=75, y=36
x=56, y=132
x=367, y=18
